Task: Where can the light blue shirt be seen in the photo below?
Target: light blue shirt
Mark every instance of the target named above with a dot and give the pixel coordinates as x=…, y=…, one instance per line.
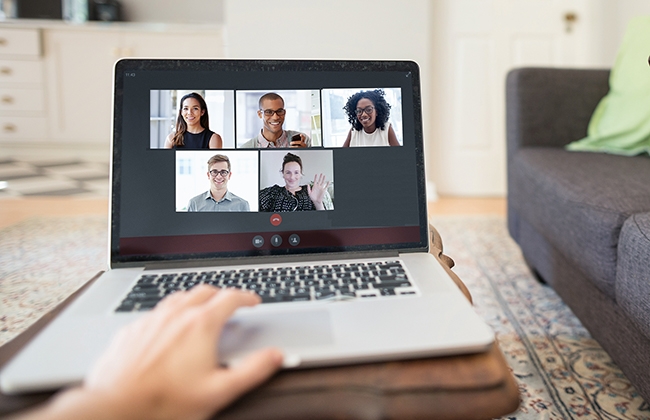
x=229, y=202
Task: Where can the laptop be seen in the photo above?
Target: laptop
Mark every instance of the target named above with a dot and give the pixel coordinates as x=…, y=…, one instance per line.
x=345, y=275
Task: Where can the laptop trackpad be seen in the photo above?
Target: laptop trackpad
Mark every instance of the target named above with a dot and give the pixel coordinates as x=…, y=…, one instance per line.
x=285, y=330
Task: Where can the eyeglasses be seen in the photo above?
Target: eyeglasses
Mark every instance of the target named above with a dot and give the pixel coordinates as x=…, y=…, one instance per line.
x=224, y=173
x=368, y=110
x=270, y=112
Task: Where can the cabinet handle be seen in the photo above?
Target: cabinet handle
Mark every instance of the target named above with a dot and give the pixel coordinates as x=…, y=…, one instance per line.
x=3, y=42
x=7, y=99
x=9, y=128
x=5, y=71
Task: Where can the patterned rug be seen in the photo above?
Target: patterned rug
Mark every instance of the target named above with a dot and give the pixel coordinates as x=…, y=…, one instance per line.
x=43, y=261
x=562, y=372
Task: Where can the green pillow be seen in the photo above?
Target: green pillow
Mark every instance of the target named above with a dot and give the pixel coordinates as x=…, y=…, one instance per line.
x=621, y=121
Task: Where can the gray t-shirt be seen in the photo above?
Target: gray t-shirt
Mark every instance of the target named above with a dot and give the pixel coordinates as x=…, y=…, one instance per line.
x=229, y=202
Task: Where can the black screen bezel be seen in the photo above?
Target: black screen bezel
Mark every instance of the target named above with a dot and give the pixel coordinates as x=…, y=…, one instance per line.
x=124, y=66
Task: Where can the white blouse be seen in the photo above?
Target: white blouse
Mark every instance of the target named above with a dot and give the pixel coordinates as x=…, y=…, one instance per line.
x=376, y=138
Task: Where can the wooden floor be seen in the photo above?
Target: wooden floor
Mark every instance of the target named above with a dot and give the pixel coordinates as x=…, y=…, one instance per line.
x=13, y=210
x=495, y=206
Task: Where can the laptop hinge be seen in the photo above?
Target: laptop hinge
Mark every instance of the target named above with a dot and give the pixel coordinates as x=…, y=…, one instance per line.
x=269, y=259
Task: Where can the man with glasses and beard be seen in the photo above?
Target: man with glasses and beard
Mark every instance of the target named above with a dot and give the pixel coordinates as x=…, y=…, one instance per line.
x=271, y=112
x=218, y=198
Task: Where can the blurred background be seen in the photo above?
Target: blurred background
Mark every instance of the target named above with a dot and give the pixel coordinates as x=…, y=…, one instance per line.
x=56, y=68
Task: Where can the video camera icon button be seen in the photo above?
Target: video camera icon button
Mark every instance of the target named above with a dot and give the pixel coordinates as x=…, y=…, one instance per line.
x=276, y=219
x=276, y=240
x=294, y=240
x=258, y=241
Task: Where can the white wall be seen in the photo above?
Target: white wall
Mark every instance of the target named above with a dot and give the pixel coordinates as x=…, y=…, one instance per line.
x=607, y=25
x=627, y=9
x=379, y=29
x=173, y=11
x=334, y=29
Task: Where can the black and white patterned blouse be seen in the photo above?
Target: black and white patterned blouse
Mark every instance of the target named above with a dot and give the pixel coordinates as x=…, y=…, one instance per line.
x=277, y=198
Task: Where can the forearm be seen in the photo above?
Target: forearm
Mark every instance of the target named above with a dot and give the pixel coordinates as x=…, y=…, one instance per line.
x=169, y=372
x=77, y=403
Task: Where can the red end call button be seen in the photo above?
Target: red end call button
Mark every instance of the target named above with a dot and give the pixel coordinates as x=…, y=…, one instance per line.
x=276, y=219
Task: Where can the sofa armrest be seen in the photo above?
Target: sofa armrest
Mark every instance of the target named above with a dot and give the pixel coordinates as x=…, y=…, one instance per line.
x=550, y=106
x=633, y=270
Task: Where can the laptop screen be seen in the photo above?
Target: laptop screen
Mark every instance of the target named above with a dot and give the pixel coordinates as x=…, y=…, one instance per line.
x=233, y=158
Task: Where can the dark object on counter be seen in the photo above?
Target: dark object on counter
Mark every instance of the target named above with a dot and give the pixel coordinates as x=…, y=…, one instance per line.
x=104, y=10
x=39, y=9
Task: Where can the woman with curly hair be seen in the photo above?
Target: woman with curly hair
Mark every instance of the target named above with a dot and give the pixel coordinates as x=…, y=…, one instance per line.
x=192, y=126
x=368, y=114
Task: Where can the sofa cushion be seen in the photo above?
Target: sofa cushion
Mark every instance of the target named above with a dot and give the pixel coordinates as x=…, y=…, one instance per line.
x=579, y=202
x=621, y=122
x=633, y=273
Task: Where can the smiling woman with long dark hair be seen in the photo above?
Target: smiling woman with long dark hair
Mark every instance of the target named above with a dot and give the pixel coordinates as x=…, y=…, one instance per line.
x=193, y=126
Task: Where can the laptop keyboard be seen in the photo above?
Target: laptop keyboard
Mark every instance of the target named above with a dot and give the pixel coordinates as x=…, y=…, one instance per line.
x=370, y=280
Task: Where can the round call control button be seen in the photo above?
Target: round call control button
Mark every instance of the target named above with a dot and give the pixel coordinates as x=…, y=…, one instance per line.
x=258, y=241
x=276, y=240
x=276, y=219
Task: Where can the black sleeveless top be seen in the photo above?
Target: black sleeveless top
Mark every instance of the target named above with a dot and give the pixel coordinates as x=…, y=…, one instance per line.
x=196, y=141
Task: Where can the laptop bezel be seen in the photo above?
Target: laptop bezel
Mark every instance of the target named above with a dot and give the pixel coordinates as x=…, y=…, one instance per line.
x=124, y=66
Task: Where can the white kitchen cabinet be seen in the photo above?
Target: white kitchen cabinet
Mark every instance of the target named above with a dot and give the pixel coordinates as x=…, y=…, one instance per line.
x=80, y=63
x=23, y=114
x=20, y=42
x=68, y=88
x=78, y=72
x=21, y=129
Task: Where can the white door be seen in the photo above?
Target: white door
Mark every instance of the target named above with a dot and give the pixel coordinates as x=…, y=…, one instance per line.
x=475, y=43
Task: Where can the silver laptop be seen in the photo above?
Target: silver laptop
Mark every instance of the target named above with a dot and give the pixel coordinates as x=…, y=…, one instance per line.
x=333, y=236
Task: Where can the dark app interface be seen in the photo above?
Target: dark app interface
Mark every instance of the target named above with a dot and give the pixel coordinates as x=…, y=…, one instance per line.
x=247, y=161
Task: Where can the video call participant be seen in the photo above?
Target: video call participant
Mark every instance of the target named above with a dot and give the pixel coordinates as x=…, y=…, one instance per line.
x=293, y=196
x=218, y=198
x=272, y=134
x=368, y=112
x=192, y=126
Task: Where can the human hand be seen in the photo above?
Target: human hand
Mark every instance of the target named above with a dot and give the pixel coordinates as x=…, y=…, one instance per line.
x=165, y=365
x=317, y=191
x=298, y=140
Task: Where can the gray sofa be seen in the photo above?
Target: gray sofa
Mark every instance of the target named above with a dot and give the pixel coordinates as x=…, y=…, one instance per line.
x=582, y=220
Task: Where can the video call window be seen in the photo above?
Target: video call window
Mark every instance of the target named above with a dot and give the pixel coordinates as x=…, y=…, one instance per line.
x=280, y=170
x=194, y=180
x=378, y=106
x=164, y=113
x=300, y=114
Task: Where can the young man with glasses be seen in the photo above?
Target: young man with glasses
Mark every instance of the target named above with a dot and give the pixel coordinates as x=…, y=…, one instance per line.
x=271, y=112
x=218, y=198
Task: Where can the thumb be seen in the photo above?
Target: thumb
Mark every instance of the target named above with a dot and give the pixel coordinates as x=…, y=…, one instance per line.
x=231, y=383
